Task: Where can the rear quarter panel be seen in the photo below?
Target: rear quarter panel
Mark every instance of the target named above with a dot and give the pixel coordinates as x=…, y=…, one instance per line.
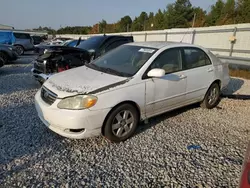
x=26, y=43
x=221, y=70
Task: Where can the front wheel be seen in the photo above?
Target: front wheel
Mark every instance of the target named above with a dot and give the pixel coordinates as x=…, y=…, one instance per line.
x=212, y=97
x=121, y=123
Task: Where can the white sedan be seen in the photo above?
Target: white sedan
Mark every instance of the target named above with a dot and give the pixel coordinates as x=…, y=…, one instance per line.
x=131, y=83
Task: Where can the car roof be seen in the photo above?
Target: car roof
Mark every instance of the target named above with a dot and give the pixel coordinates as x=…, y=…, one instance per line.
x=161, y=44
x=111, y=36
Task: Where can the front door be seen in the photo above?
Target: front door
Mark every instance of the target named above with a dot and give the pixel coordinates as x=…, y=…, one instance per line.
x=168, y=92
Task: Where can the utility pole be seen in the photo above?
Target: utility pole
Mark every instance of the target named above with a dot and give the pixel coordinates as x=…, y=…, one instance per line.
x=145, y=23
x=194, y=20
x=127, y=27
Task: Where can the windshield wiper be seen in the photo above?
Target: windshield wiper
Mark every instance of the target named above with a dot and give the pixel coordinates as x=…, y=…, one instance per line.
x=107, y=70
x=93, y=66
x=112, y=71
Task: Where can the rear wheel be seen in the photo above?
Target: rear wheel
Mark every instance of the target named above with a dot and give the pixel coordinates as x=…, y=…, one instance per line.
x=212, y=97
x=121, y=123
x=19, y=49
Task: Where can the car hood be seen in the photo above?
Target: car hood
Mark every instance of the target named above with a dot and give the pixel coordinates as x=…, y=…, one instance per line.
x=82, y=80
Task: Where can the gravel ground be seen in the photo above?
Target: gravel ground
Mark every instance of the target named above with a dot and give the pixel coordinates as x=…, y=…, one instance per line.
x=157, y=156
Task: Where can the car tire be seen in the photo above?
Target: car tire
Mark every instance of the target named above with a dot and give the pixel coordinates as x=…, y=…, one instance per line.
x=4, y=57
x=120, y=126
x=19, y=49
x=212, y=97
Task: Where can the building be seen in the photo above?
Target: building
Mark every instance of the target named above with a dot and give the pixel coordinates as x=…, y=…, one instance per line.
x=5, y=27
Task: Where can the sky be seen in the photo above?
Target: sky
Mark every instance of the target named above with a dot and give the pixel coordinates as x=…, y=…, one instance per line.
x=28, y=14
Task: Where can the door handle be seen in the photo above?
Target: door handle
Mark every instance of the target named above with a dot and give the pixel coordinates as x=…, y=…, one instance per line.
x=182, y=76
x=210, y=70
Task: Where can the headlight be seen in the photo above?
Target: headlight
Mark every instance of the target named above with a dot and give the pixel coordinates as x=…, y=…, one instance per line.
x=10, y=48
x=78, y=102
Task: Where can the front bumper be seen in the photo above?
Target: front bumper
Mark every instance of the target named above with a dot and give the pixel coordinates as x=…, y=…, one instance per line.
x=41, y=77
x=76, y=124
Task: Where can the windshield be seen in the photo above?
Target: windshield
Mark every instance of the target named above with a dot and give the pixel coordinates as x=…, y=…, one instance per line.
x=124, y=61
x=91, y=43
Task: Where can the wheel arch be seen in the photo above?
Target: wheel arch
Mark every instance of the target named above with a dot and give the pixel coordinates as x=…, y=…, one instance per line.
x=218, y=81
x=121, y=103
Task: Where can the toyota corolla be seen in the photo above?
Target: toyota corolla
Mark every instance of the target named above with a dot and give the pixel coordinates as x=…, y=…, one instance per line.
x=131, y=83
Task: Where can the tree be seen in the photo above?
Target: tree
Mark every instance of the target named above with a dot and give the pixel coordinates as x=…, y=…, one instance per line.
x=200, y=17
x=143, y=20
x=243, y=11
x=102, y=26
x=159, y=20
x=179, y=14
x=150, y=21
x=139, y=23
x=215, y=13
x=228, y=13
x=124, y=24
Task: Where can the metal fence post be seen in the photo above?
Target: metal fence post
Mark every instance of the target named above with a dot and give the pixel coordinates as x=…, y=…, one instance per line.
x=233, y=42
x=166, y=36
x=145, y=37
x=193, y=36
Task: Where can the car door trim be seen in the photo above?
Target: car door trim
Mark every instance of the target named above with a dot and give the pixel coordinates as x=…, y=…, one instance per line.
x=167, y=98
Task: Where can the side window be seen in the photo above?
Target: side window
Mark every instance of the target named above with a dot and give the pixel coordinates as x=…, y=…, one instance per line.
x=22, y=35
x=195, y=58
x=169, y=60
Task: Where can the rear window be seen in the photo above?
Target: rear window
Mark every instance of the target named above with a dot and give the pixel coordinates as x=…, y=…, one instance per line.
x=92, y=43
x=22, y=35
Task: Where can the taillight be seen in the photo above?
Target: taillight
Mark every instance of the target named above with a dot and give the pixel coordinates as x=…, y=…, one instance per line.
x=245, y=175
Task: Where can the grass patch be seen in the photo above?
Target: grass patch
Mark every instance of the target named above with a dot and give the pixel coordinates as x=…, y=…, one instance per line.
x=240, y=73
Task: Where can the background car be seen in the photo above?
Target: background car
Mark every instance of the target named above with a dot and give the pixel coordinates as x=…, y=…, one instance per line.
x=60, y=58
x=8, y=53
x=131, y=83
x=22, y=41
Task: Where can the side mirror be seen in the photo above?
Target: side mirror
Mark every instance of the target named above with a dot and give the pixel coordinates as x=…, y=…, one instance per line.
x=156, y=73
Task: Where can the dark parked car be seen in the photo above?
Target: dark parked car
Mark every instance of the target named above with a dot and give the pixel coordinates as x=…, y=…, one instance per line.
x=1, y=62
x=61, y=58
x=37, y=39
x=8, y=53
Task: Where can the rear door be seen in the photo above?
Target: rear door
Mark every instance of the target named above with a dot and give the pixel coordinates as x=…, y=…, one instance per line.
x=199, y=71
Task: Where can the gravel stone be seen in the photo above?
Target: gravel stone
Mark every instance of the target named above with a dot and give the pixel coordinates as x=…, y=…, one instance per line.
x=157, y=156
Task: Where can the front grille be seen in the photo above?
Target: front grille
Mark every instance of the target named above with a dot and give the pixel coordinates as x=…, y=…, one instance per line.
x=48, y=96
